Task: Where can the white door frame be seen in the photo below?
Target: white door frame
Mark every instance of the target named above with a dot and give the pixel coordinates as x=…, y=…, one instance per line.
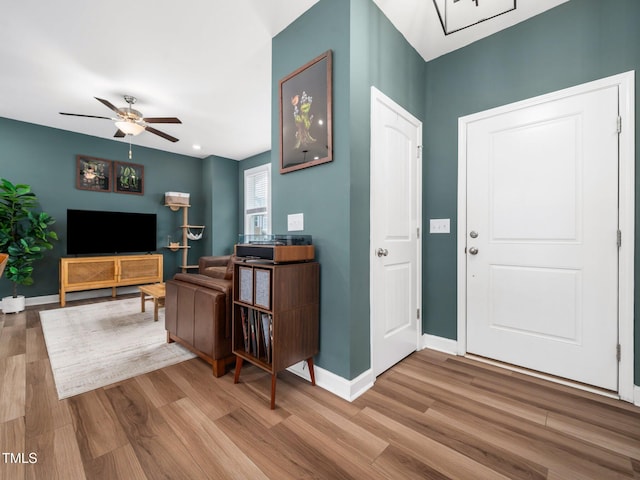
x=378, y=96
x=626, y=196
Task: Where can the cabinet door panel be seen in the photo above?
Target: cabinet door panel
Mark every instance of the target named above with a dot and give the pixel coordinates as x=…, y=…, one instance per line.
x=136, y=267
x=245, y=281
x=91, y=272
x=263, y=288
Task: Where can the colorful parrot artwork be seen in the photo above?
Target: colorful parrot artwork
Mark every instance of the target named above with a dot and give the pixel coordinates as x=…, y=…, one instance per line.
x=303, y=119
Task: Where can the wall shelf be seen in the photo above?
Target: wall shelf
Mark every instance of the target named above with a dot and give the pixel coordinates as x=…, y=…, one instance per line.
x=176, y=206
x=175, y=248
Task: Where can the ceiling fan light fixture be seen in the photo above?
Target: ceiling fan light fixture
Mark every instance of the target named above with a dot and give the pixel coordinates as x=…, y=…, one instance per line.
x=130, y=128
x=130, y=121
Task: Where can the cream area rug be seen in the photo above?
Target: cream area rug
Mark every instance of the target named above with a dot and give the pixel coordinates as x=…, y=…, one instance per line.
x=91, y=346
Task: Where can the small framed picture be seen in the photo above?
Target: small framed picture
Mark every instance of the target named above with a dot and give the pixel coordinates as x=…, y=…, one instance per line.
x=93, y=173
x=306, y=115
x=128, y=178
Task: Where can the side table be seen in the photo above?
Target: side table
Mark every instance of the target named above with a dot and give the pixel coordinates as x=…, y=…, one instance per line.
x=155, y=292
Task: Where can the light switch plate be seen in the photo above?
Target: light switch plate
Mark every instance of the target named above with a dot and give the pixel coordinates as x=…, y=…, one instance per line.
x=439, y=225
x=295, y=222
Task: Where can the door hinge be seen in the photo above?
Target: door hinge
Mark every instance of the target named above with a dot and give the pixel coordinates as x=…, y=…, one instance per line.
x=619, y=238
x=418, y=314
x=619, y=124
x=419, y=152
x=618, y=354
x=418, y=232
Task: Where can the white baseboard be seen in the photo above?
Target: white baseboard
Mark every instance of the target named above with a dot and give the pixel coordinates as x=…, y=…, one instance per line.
x=347, y=389
x=636, y=395
x=352, y=389
x=84, y=295
x=441, y=344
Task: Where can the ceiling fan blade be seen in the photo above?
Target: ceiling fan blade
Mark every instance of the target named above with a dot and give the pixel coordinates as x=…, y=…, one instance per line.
x=162, y=120
x=108, y=104
x=161, y=134
x=119, y=134
x=80, y=115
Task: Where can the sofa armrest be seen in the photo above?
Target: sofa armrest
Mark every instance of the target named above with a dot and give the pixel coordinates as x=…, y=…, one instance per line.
x=216, y=267
x=218, y=284
x=213, y=261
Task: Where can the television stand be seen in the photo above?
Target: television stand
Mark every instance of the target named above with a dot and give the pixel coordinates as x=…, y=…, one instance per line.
x=90, y=273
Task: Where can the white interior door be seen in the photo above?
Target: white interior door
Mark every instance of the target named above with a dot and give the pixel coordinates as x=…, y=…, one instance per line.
x=395, y=219
x=542, y=250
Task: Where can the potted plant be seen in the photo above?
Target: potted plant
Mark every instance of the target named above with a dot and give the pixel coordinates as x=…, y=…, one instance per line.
x=24, y=236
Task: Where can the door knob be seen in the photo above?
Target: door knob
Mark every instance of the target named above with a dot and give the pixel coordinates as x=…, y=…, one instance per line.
x=473, y=234
x=382, y=252
x=473, y=250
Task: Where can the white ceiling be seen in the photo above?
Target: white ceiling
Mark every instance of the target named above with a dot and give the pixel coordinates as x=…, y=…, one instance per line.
x=207, y=62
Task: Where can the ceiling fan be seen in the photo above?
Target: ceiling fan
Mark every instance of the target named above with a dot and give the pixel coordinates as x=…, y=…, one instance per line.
x=130, y=121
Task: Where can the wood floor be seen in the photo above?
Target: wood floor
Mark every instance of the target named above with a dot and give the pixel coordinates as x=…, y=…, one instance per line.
x=433, y=416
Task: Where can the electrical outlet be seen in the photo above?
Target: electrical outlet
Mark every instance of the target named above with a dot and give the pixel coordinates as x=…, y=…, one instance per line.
x=295, y=222
x=439, y=225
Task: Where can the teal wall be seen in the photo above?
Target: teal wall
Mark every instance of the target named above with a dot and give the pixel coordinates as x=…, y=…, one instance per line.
x=577, y=42
x=321, y=192
x=45, y=158
x=222, y=203
x=334, y=197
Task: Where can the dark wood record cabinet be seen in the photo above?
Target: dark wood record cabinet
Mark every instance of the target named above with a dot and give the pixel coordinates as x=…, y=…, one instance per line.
x=275, y=316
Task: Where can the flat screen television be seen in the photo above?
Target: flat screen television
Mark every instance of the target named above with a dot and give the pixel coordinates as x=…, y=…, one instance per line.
x=92, y=232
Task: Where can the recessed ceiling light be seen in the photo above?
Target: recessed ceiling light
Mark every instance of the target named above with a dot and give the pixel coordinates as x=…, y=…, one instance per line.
x=197, y=147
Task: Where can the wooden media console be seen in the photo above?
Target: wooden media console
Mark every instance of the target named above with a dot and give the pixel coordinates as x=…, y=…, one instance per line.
x=90, y=273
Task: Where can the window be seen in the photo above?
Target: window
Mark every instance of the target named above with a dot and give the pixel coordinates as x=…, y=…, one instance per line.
x=257, y=200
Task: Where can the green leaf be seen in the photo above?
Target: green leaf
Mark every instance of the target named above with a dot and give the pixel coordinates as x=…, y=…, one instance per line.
x=24, y=231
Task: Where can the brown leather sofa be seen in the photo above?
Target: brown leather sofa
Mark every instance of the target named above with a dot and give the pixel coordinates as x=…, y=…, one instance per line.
x=198, y=311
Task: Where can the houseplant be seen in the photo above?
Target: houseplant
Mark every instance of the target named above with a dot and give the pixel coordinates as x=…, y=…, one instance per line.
x=24, y=235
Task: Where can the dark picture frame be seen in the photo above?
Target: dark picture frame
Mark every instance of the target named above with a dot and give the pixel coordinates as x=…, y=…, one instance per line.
x=306, y=115
x=128, y=178
x=93, y=173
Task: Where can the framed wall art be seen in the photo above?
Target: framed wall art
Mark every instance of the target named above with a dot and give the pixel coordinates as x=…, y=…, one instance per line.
x=93, y=173
x=306, y=115
x=128, y=178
